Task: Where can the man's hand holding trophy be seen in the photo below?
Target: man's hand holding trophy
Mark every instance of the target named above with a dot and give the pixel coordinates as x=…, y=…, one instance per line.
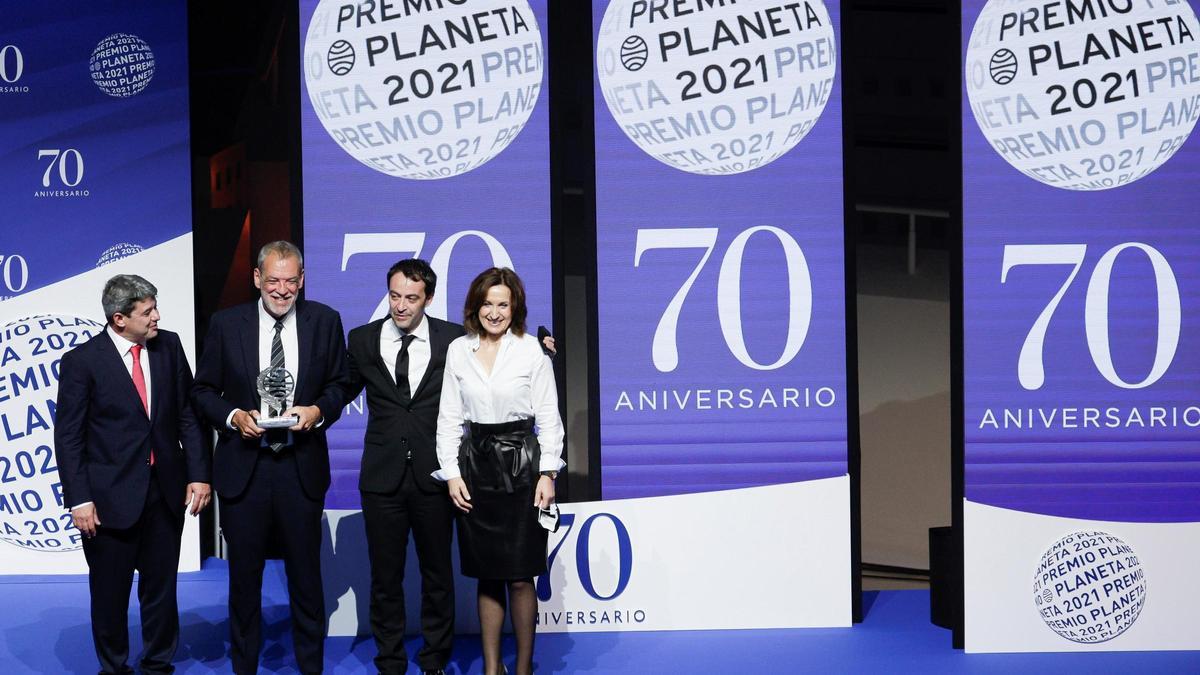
x=275, y=386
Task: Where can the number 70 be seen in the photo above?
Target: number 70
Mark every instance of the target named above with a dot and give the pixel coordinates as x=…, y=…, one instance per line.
x=583, y=558
x=664, y=350
x=60, y=157
x=1030, y=369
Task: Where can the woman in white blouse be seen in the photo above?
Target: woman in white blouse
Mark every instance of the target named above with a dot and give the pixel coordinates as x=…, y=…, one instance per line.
x=498, y=387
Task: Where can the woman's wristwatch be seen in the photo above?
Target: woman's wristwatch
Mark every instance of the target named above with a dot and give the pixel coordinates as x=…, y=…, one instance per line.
x=552, y=474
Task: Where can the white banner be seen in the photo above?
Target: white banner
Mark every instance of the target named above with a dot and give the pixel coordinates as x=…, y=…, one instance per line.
x=1038, y=583
x=33, y=520
x=767, y=557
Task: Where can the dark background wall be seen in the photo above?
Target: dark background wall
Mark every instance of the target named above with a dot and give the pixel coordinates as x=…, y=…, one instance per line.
x=901, y=91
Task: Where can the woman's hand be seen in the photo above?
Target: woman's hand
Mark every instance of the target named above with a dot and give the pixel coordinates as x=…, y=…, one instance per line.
x=460, y=496
x=543, y=494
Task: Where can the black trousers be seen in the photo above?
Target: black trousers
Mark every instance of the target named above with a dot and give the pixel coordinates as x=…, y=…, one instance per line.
x=151, y=546
x=389, y=518
x=274, y=504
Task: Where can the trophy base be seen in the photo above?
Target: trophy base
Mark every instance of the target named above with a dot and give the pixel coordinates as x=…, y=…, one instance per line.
x=278, y=422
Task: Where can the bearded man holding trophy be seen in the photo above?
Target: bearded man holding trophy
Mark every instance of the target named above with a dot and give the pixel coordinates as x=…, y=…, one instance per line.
x=270, y=379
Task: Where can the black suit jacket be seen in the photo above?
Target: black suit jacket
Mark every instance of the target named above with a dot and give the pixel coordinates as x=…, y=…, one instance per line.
x=393, y=428
x=226, y=378
x=103, y=439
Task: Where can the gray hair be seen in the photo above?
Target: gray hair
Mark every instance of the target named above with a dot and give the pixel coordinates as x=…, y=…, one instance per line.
x=283, y=249
x=124, y=291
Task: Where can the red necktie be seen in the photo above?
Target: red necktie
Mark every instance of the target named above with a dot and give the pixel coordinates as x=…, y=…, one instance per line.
x=139, y=383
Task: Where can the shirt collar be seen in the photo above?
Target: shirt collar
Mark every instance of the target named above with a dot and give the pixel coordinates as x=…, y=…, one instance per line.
x=474, y=340
x=123, y=345
x=267, y=321
x=421, y=332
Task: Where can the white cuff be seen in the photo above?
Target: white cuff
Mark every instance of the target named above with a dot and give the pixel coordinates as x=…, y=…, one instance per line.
x=550, y=463
x=229, y=420
x=445, y=474
x=80, y=505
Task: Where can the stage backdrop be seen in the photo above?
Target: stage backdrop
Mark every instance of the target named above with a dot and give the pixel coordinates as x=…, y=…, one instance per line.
x=1082, y=355
x=722, y=323
x=425, y=134
x=94, y=181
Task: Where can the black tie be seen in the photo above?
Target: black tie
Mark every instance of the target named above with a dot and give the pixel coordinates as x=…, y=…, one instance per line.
x=276, y=362
x=402, y=370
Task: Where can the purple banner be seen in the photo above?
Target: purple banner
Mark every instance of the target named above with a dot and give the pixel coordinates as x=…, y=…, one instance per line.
x=1081, y=260
x=93, y=136
x=425, y=134
x=720, y=245
x=95, y=172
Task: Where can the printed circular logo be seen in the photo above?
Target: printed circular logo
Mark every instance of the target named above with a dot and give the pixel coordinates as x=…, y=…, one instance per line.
x=32, y=513
x=1089, y=587
x=423, y=90
x=122, y=65
x=1003, y=66
x=116, y=252
x=1084, y=96
x=633, y=53
x=341, y=57
x=716, y=88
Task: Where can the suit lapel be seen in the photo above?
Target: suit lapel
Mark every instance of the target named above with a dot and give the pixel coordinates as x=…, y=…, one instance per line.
x=249, y=339
x=160, y=375
x=437, y=354
x=373, y=348
x=114, y=363
x=304, y=340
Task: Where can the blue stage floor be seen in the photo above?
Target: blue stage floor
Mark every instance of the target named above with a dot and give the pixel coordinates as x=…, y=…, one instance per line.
x=44, y=629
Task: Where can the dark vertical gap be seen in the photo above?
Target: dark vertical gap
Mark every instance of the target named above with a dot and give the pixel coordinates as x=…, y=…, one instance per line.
x=954, y=235
x=208, y=544
x=850, y=271
x=290, y=72
x=573, y=154
x=556, y=67
x=573, y=142
x=586, y=235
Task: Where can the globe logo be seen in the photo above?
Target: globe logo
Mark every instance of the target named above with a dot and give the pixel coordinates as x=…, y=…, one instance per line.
x=432, y=113
x=122, y=65
x=340, y=57
x=1003, y=66
x=716, y=114
x=117, y=252
x=1089, y=587
x=1074, y=120
x=633, y=53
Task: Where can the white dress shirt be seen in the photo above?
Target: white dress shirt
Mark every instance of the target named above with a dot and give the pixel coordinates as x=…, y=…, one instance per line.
x=291, y=354
x=291, y=348
x=419, y=351
x=520, y=385
x=125, y=349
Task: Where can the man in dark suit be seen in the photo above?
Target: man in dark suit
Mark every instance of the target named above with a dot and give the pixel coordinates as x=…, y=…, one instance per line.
x=131, y=457
x=272, y=483
x=399, y=360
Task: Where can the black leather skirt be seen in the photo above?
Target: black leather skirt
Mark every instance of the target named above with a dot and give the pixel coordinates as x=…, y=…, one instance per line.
x=500, y=538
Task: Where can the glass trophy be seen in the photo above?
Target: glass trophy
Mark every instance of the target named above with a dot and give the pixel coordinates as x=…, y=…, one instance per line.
x=275, y=385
